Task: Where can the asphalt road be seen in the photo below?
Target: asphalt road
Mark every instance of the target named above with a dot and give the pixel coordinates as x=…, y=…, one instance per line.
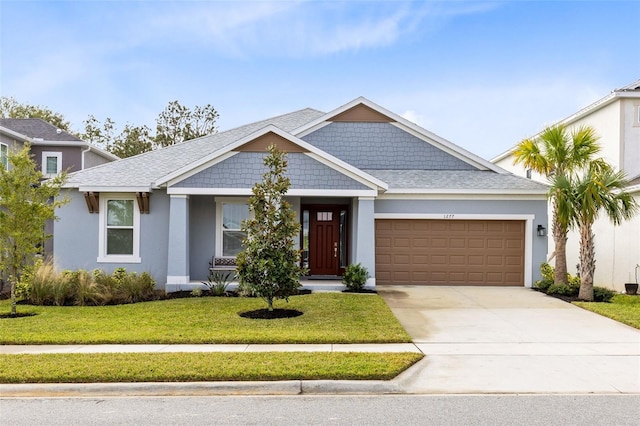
x=405, y=410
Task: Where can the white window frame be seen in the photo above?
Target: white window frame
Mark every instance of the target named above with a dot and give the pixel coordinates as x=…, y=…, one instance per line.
x=219, y=229
x=103, y=257
x=51, y=154
x=4, y=157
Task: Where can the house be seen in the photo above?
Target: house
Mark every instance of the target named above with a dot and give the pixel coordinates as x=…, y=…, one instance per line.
x=53, y=151
x=616, y=119
x=368, y=186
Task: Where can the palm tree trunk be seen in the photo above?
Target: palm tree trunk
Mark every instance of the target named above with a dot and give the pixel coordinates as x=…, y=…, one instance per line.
x=587, y=262
x=560, y=241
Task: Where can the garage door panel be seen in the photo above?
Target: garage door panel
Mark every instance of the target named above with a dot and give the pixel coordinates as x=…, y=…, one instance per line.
x=450, y=252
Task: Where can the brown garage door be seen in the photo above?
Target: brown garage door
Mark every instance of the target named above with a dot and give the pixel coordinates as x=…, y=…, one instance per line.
x=450, y=252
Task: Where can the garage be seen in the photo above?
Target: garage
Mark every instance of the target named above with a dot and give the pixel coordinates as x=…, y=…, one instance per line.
x=450, y=252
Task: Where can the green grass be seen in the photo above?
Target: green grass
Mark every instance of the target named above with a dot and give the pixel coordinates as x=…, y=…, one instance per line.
x=192, y=367
x=622, y=308
x=327, y=318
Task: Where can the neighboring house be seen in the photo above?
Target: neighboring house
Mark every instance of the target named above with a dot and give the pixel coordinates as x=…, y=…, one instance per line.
x=53, y=150
x=616, y=119
x=368, y=186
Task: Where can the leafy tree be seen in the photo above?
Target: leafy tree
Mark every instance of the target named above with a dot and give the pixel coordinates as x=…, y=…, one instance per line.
x=555, y=155
x=10, y=108
x=99, y=134
x=178, y=123
x=269, y=266
x=132, y=141
x=599, y=189
x=25, y=206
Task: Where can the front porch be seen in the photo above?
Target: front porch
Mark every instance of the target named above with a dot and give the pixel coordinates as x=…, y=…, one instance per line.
x=310, y=284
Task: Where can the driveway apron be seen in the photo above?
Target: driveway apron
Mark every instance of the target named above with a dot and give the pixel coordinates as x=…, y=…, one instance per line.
x=512, y=340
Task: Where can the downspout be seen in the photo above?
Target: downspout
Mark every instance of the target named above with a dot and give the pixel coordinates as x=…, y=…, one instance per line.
x=82, y=157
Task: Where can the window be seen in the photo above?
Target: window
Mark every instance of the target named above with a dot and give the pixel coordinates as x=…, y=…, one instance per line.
x=4, y=152
x=119, y=229
x=231, y=214
x=51, y=163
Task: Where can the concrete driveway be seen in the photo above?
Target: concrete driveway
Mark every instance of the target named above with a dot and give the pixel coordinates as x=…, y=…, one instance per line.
x=512, y=340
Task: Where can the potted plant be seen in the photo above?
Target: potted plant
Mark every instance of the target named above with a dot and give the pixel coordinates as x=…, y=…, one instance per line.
x=632, y=288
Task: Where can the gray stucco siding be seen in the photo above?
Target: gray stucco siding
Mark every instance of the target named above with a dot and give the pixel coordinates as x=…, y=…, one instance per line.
x=244, y=169
x=537, y=208
x=382, y=146
x=71, y=156
x=76, y=238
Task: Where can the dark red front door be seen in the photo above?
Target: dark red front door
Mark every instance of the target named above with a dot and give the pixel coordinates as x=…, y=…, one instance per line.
x=325, y=245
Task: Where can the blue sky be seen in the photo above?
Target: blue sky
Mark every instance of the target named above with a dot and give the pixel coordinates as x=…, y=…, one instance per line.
x=482, y=74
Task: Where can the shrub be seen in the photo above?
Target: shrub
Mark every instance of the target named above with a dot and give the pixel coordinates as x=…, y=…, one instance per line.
x=602, y=294
x=560, y=290
x=218, y=282
x=355, y=277
x=84, y=288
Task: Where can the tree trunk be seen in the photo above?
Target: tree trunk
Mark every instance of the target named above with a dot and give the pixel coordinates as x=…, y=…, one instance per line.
x=560, y=241
x=587, y=262
x=14, y=281
x=270, y=303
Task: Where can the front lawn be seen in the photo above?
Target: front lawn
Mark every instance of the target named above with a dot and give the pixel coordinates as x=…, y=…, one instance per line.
x=197, y=367
x=327, y=318
x=622, y=308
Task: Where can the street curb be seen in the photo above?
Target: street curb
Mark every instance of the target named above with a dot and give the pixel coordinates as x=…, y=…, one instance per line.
x=289, y=387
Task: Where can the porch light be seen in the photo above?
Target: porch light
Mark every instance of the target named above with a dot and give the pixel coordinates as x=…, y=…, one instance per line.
x=542, y=231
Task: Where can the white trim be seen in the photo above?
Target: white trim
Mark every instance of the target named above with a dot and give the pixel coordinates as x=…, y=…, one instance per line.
x=178, y=279
x=51, y=154
x=6, y=155
x=219, y=230
x=461, y=196
x=184, y=196
x=103, y=257
x=110, y=189
x=466, y=191
x=528, y=230
x=290, y=193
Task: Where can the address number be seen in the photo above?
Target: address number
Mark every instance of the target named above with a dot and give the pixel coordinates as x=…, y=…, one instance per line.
x=449, y=216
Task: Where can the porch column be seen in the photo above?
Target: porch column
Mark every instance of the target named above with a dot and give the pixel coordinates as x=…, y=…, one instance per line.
x=178, y=250
x=365, y=237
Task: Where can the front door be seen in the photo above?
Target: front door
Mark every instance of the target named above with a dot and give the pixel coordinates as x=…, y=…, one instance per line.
x=325, y=247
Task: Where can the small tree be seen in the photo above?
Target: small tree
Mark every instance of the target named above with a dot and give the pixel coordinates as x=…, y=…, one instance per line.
x=269, y=266
x=25, y=205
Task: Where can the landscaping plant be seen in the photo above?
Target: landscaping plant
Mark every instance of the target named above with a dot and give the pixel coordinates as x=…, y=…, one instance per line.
x=269, y=266
x=355, y=277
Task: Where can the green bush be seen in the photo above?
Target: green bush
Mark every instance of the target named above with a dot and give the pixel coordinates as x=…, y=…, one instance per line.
x=44, y=286
x=560, y=290
x=602, y=294
x=355, y=277
x=218, y=282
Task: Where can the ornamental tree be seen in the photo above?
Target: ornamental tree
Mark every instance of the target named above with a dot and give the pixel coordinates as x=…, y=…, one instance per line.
x=26, y=204
x=269, y=265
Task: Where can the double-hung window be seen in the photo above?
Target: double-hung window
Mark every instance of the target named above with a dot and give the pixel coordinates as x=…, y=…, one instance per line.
x=231, y=214
x=51, y=163
x=4, y=159
x=119, y=229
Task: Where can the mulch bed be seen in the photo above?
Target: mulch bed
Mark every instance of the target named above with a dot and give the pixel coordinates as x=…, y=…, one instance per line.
x=267, y=314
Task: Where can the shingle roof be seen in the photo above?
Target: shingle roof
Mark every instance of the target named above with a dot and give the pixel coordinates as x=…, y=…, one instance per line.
x=145, y=169
x=474, y=180
x=37, y=128
x=635, y=86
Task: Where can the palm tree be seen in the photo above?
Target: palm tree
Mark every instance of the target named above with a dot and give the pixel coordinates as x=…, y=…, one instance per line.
x=599, y=189
x=555, y=154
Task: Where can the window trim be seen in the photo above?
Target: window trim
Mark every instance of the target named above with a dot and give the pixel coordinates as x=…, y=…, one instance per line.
x=220, y=201
x=4, y=158
x=51, y=154
x=103, y=257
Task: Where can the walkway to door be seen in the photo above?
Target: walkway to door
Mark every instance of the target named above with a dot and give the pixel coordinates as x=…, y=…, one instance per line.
x=512, y=339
